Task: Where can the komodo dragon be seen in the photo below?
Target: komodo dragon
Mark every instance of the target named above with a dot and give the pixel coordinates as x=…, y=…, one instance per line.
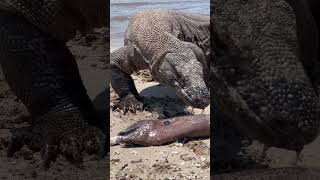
x=42, y=72
x=174, y=45
x=264, y=72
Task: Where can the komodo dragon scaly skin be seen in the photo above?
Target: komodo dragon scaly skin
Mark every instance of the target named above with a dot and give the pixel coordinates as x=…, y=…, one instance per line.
x=42, y=72
x=174, y=46
x=59, y=18
x=262, y=74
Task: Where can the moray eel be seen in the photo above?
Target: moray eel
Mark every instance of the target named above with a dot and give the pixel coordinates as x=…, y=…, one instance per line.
x=159, y=132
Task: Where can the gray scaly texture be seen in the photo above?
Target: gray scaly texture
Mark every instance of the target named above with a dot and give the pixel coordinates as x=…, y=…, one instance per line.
x=174, y=46
x=60, y=18
x=263, y=70
x=42, y=72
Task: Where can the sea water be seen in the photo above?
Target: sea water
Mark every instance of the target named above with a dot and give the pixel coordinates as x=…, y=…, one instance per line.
x=122, y=10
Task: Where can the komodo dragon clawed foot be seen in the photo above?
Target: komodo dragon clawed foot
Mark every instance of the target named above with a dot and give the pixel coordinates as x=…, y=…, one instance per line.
x=43, y=74
x=129, y=103
x=71, y=142
x=123, y=85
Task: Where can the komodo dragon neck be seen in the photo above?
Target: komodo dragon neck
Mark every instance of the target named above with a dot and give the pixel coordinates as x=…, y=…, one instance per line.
x=194, y=29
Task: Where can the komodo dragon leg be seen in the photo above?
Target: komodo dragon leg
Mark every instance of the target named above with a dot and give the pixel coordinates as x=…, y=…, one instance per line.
x=122, y=83
x=42, y=72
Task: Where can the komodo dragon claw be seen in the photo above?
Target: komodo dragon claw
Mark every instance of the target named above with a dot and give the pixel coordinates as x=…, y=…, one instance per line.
x=69, y=142
x=129, y=103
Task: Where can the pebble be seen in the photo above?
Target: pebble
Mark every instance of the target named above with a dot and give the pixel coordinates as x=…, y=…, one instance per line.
x=115, y=160
x=174, y=153
x=148, y=115
x=165, y=156
x=203, y=159
x=134, y=153
x=187, y=157
x=198, y=165
x=136, y=161
x=177, y=144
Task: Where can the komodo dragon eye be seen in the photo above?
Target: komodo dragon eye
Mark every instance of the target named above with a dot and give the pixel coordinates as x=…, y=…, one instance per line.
x=177, y=76
x=175, y=71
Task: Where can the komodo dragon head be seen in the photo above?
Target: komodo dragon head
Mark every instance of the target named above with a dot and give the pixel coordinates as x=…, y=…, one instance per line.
x=261, y=75
x=186, y=74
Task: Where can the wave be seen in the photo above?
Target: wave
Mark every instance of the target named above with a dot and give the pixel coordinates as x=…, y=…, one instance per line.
x=120, y=18
x=135, y=4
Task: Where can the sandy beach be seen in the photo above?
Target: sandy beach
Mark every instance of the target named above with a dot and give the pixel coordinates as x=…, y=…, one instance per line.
x=178, y=160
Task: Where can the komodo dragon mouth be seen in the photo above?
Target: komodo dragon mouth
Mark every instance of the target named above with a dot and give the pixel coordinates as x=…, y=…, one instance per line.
x=187, y=78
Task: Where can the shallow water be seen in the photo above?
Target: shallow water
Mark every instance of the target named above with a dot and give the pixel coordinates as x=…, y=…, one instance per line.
x=122, y=10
